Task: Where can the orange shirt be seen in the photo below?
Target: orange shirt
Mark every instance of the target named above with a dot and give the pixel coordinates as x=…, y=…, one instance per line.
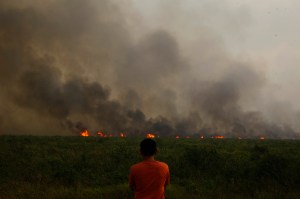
x=149, y=179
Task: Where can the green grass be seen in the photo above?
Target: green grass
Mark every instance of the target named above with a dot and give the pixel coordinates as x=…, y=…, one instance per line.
x=90, y=167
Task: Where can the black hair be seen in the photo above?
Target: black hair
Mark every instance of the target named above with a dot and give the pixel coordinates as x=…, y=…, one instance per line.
x=148, y=147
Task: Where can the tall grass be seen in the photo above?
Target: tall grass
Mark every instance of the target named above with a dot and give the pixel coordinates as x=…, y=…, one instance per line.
x=90, y=167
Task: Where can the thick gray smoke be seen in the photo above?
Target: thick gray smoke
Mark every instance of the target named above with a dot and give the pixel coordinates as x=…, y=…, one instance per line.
x=71, y=65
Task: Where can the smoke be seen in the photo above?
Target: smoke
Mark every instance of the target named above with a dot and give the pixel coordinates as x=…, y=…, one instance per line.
x=72, y=65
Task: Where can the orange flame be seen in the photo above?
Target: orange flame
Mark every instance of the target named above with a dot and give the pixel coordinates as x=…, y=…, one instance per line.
x=84, y=133
x=101, y=134
x=149, y=135
x=122, y=135
x=218, y=137
x=261, y=138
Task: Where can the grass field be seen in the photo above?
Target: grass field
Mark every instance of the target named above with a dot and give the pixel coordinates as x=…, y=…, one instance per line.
x=90, y=167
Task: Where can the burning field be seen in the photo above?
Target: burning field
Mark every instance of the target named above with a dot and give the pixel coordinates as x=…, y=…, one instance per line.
x=100, y=134
x=214, y=82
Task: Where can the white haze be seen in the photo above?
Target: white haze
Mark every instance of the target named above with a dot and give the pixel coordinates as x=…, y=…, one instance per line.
x=265, y=33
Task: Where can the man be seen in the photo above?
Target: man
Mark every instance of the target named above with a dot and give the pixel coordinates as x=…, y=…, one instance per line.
x=149, y=178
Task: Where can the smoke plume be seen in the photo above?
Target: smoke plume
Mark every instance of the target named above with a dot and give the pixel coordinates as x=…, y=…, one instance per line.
x=71, y=65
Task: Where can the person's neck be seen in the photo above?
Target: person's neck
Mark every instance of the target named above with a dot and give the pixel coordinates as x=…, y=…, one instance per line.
x=148, y=158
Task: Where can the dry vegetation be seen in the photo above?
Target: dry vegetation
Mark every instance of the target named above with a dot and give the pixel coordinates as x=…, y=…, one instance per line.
x=90, y=167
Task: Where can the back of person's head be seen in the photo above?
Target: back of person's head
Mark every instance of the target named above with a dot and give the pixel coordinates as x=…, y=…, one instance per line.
x=148, y=147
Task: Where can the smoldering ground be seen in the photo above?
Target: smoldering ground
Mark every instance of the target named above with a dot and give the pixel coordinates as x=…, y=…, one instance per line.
x=72, y=64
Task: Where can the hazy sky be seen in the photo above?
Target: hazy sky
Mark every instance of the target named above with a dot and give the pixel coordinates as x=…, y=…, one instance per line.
x=164, y=65
x=266, y=32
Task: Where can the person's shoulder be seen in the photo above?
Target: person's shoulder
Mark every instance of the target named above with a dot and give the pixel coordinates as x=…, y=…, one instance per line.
x=137, y=165
x=163, y=164
x=163, y=167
